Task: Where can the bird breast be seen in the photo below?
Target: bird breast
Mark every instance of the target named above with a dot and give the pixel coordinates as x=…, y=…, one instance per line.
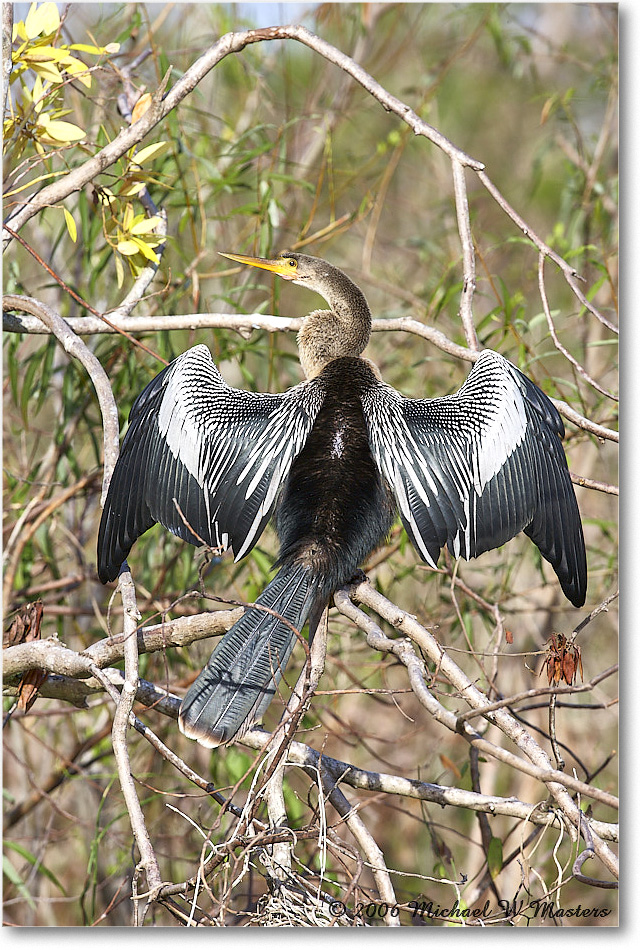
x=335, y=502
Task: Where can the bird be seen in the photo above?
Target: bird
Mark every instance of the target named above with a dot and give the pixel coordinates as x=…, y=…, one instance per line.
x=334, y=460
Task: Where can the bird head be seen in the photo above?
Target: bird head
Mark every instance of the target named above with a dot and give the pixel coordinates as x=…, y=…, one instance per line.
x=310, y=272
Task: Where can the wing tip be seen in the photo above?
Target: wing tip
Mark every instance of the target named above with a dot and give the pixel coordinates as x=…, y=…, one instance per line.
x=574, y=588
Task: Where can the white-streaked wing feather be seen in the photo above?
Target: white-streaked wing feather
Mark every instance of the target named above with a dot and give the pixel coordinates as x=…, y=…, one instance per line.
x=203, y=459
x=473, y=469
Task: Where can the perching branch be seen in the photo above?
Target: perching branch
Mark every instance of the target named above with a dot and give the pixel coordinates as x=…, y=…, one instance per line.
x=66, y=666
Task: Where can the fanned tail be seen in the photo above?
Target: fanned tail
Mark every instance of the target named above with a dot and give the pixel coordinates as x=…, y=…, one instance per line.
x=243, y=672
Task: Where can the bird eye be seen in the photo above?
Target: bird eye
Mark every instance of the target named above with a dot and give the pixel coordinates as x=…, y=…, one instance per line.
x=292, y=262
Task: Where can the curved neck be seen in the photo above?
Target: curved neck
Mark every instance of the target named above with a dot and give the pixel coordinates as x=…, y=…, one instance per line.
x=342, y=331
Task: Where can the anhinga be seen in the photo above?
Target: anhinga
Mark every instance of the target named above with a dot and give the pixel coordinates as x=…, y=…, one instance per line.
x=334, y=458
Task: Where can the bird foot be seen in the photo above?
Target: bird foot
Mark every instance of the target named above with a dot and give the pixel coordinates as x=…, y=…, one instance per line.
x=359, y=577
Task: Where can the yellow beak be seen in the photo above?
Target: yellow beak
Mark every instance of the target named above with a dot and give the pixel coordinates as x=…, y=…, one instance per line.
x=283, y=266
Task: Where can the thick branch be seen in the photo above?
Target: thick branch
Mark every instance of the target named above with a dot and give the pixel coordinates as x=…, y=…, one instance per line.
x=52, y=656
x=64, y=687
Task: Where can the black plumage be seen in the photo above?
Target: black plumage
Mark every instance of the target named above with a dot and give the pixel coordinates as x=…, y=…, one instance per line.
x=333, y=459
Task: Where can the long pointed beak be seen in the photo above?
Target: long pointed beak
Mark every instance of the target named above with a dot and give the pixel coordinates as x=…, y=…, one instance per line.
x=283, y=266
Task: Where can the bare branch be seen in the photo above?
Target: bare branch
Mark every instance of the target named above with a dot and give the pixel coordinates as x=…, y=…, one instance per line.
x=345, y=773
x=369, y=847
x=246, y=323
x=51, y=655
x=466, y=238
x=65, y=666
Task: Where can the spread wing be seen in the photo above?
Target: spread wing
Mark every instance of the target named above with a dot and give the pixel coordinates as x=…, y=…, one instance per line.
x=203, y=459
x=473, y=469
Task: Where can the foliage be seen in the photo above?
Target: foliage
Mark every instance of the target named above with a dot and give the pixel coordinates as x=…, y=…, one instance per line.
x=277, y=148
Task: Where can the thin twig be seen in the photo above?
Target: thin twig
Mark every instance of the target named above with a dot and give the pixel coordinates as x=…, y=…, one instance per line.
x=138, y=290
x=568, y=271
x=551, y=327
x=73, y=345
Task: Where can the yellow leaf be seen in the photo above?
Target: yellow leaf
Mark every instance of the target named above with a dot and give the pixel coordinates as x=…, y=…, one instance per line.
x=128, y=217
x=37, y=94
x=35, y=181
x=60, y=133
x=18, y=33
x=42, y=54
x=71, y=225
x=133, y=190
x=145, y=226
x=146, y=250
x=127, y=247
x=150, y=152
x=86, y=48
x=106, y=197
x=120, y=271
x=48, y=71
x=78, y=70
x=546, y=109
x=141, y=107
x=43, y=19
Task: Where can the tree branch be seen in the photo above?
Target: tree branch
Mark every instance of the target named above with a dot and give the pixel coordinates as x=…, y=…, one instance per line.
x=245, y=324
x=539, y=765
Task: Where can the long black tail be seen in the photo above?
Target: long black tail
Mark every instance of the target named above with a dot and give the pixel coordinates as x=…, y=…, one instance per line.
x=243, y=672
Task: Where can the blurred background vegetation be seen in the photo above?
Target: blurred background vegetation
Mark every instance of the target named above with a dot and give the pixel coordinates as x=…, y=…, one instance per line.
x=277, y=148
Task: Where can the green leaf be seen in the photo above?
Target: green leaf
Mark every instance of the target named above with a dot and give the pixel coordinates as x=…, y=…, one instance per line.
x=495, y=857
x=27, y=387
x=12, y=875
x=33, y=860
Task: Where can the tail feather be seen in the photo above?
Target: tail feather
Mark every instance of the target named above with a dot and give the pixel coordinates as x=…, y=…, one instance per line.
x=243, y=672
